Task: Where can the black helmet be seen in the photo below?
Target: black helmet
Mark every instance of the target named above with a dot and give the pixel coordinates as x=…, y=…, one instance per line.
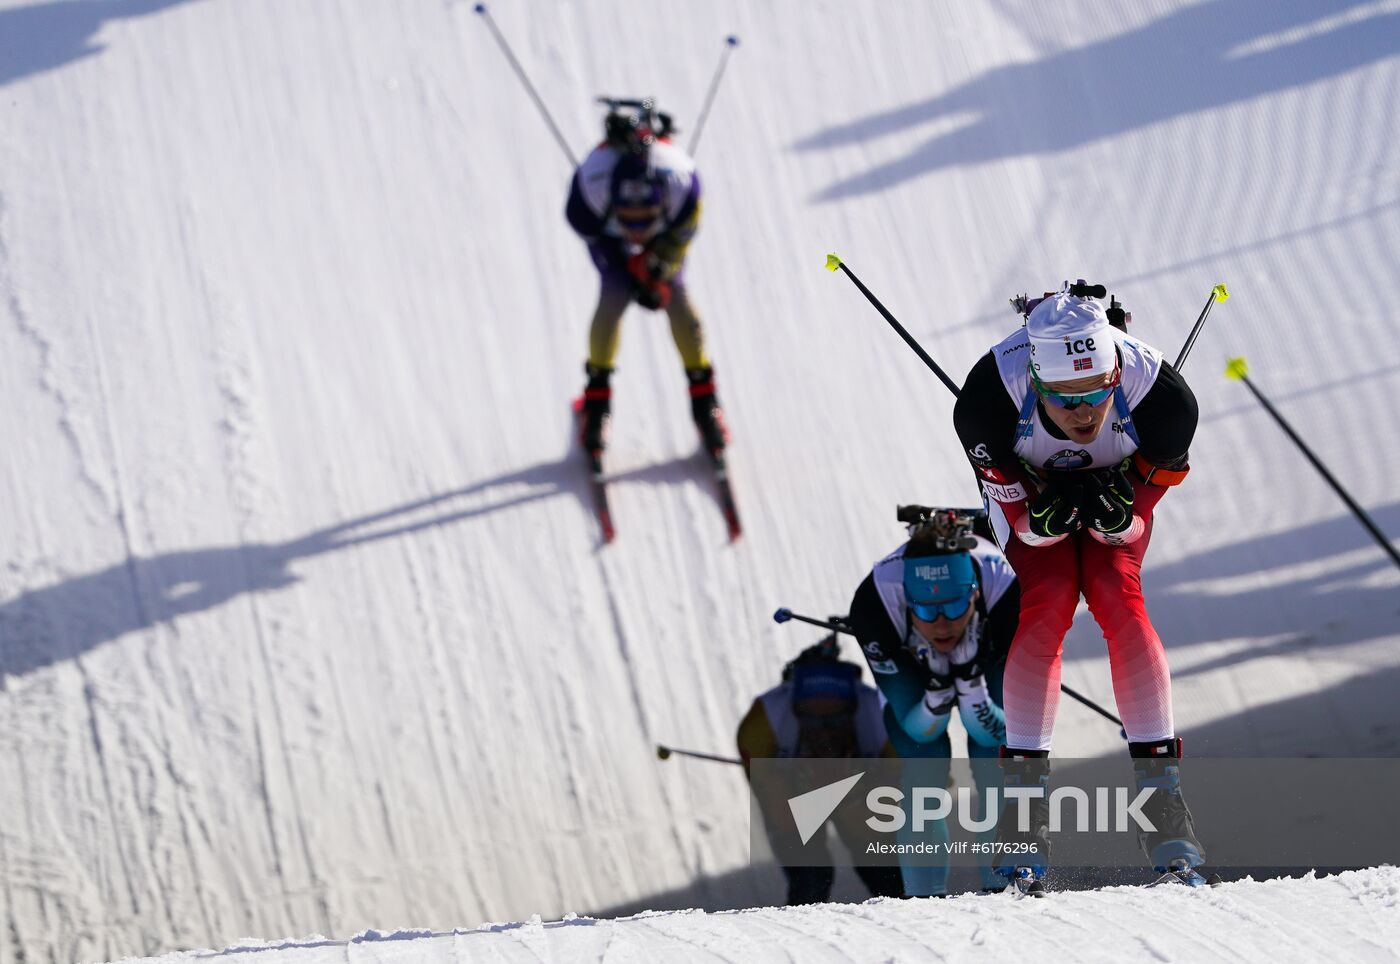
x=825, y=650
x=634, y=125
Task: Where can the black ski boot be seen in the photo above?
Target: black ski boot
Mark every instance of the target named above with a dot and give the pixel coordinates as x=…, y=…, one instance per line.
x=1023, y=856
x=597, y=409
x=704, y=408
x=1172, y=847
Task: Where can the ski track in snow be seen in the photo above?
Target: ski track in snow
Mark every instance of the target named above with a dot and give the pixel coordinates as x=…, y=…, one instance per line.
x=304, y=626
x=1351, y=915
x=48, y=380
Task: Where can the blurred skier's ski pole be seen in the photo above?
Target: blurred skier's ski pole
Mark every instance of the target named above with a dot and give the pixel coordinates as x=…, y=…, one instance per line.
x=784, y=615
x=835, y=625
x=529, y=87
x=664, y=752
x=1239, y=371
x=730, y=43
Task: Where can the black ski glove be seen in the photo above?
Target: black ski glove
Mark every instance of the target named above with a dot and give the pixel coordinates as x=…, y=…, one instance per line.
x=934, y=680
x=1108, y=501
x=1056, y=510
x=970, y=670
x=654, y=296
x=940, y=695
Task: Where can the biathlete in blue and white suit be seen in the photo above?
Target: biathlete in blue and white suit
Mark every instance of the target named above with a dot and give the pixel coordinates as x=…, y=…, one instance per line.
x=935, y=626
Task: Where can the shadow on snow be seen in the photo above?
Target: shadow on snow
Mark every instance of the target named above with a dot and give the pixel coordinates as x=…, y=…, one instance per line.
x=1205, y=56
x=47, y=36
x=62, y=621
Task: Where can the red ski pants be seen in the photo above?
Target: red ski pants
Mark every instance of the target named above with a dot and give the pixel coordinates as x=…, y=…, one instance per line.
x=1109, y=577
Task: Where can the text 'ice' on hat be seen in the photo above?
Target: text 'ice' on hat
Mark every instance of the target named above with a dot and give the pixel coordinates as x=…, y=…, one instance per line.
x=1070, y=338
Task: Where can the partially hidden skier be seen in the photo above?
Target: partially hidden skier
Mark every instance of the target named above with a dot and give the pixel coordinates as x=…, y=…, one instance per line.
x=819, y=710
x=1076, y=430
x=636, y=202
x=934, y=619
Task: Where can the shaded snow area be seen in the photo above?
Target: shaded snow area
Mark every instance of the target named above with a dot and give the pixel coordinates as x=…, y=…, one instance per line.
x=1353, y=916
x=304, y=622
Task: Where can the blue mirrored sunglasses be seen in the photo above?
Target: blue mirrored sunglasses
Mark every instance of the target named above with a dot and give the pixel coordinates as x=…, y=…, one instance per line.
x=953, y=609
x=1071, y=402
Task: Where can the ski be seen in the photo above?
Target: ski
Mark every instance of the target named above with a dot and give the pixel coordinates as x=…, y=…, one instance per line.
x=725, y=493
x=599, y=485
x=597, y=481
x=1025, y=882
x=1181, y=873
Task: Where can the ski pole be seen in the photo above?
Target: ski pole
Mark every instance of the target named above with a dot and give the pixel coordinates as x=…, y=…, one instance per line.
x=664, y=752
x=529, y=87
x=1218, y=293
x=730, y=43
x=833, y=262
x=1239, y=370
x=1095, y=707
x=784, y=615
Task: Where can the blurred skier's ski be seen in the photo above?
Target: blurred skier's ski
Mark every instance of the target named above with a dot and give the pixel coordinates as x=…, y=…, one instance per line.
x=725, y=493
x=597, y=482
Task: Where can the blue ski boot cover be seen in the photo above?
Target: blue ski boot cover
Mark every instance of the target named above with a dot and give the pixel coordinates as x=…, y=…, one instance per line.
x=1173, y=844
x=1024, y=853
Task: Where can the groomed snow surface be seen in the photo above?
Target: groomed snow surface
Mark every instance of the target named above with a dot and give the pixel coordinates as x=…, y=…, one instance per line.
x=1353, y=916
x=304, y=623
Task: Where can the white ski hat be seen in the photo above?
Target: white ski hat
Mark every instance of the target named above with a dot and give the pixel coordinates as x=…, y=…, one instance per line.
x=1070, y=338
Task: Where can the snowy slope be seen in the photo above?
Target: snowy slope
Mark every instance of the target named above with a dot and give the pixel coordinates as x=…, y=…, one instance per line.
x=1350, y=917
x=303, y=621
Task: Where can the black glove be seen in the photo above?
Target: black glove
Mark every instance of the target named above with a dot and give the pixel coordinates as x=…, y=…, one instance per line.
x=654, y=296
x=970, y=670
x=933, y=679
x=938, y=681
x=1108, y=501
x=1056, y=510
x=940, y=695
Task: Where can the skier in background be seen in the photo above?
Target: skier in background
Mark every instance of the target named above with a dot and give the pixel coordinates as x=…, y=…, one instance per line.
x=635, y=200
x=935, y=618
x=1066, y=421
x=822, y=710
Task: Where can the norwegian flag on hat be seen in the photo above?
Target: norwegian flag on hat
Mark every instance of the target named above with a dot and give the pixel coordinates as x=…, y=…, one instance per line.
x=1081, y=364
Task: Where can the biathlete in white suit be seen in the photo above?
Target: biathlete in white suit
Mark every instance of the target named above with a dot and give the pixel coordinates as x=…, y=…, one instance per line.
x=1076, y=430
x=934, y=619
